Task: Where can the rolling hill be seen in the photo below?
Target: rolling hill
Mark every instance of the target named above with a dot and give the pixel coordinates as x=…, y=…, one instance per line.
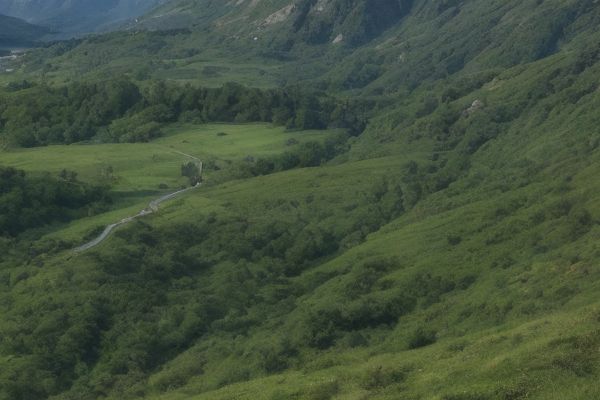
x=404, y=204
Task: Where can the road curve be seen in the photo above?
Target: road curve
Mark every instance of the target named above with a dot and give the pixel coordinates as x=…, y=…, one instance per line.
x=152, y=208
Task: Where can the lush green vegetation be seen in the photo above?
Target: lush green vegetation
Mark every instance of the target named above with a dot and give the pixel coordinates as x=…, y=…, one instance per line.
x=27, y=202
x=448, y=250
x=120, y=111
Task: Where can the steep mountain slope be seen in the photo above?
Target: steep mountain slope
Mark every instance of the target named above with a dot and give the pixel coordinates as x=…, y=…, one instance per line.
x=416, y=41
x=76, y=16
x=15, y=32
x=449, y=251
x=311, y=21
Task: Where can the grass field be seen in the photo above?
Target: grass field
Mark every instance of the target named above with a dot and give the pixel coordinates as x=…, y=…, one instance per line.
x=214, y=73
x=144, y=171
x=143, y=166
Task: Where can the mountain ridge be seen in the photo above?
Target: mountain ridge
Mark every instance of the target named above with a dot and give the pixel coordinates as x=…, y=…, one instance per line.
x=15, y=32
x=76, y=16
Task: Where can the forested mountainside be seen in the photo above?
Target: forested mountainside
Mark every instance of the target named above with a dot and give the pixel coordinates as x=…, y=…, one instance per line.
x=76, y=16
x=399, y=200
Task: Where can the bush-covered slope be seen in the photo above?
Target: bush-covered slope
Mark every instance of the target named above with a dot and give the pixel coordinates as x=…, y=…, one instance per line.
x=417, y=41
x=449, y=251
x=462, y=265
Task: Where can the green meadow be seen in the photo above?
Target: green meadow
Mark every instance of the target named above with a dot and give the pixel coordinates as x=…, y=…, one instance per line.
x=141, y=172
x=144, y=166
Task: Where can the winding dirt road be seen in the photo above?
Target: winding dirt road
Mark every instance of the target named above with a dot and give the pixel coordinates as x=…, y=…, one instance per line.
x=152, y=208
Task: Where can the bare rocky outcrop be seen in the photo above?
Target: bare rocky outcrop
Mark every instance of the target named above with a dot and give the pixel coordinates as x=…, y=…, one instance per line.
x=475, y=106
x=280, y=15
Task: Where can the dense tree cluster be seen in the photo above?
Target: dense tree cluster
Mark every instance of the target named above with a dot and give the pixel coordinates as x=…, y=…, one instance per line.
x=121, y=111
x=29, y=202
x=160, y=290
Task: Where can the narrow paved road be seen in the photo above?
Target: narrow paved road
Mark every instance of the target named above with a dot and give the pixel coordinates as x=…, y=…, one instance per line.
x=187, y=155
x=152, y=208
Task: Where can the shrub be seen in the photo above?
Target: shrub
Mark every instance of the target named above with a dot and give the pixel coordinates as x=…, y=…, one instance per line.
x=421, y=337
x=355, y=339
x=465, y=396
x=579, y=354
x=454, y=240
x=191, y=171
x=380, y=377
x=580, y=221
x=323, y=391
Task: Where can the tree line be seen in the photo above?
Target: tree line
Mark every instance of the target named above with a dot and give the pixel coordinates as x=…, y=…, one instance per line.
x=120, y=110
x=32, y=201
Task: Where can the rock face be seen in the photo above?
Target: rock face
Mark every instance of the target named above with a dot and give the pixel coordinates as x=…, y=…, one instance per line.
x=76, y=15
x=348, y=23
x=354, y=21
x=475, y=106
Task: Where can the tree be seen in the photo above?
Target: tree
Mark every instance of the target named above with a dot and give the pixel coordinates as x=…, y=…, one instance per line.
x=192, y=172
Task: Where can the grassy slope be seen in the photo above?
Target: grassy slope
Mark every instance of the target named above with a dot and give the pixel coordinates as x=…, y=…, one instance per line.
x=431, y=43
x=525, y=322
x=139, y=168
x=143, y=166
x=515, y=329
x=526, y=327
x=531, y=314
x=182, y=57
x=515, y=227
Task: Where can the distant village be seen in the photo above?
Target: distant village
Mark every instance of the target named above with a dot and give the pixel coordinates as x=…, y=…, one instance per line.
x=6, y=60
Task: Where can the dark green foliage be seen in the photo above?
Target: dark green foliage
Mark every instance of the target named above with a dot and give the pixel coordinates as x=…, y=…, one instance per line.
x=421, y=337
x=467, y=209
x=43, y=115
x=192, y=172
x=308, y=154
x=216, y=275
x=379, y=377
x=323, y=391
x=119, y=111
x=466, y=396
x=454, y=240
x=28, y=202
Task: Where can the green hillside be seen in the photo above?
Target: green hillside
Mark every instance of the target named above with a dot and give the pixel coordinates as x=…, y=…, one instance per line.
x=411, y=212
